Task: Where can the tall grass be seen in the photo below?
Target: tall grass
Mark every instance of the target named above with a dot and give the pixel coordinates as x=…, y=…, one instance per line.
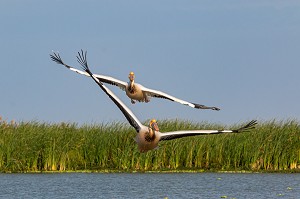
x=34, y=146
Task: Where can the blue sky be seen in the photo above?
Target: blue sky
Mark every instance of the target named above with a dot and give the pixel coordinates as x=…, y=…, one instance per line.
x=241, y=56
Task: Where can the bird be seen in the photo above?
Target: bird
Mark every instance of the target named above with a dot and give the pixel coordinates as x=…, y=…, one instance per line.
x=148, y=137
x=136, y=92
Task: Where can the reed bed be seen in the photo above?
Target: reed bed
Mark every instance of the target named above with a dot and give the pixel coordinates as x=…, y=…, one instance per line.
x=35, y=147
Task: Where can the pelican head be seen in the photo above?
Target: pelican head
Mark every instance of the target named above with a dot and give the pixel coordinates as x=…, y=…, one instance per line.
x=153, y=125
x=131, y=76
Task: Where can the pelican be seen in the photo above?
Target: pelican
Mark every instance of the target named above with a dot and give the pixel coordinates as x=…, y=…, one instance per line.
x=148, y=137
x=135, y=91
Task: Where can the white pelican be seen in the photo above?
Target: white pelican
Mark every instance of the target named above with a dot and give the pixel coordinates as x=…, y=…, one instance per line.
x=148, y=137
x=135, y=91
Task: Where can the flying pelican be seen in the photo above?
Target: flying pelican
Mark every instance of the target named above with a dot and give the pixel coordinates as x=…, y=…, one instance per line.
x=148, y=137
x=135, y=91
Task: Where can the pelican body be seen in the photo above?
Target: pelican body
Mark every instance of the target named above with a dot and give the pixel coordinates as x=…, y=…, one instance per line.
x=148, y=137
x=135, y=91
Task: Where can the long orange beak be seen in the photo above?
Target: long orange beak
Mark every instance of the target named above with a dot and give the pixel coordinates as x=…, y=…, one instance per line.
x=153, y=125
x=131, y=76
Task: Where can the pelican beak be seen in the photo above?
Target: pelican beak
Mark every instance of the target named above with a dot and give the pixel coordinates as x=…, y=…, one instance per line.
x=153, y=125
x=131, y=76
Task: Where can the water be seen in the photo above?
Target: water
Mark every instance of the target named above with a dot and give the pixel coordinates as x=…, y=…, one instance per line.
x=122, y=185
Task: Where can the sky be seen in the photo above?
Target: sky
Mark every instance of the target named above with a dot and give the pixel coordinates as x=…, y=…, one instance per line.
x=241, y=56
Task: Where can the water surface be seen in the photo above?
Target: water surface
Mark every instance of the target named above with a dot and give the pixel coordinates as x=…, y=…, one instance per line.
x=149, y=185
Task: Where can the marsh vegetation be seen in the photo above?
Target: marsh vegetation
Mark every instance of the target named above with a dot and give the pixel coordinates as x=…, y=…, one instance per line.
x=35, y=146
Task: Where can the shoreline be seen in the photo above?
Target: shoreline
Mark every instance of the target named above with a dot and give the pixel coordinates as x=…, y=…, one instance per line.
x=107, y=171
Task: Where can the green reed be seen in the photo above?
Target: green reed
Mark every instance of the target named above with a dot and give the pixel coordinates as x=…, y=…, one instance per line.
x=35, y=146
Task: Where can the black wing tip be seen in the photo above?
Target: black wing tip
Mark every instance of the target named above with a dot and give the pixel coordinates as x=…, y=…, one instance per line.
x=216, y=108
x=200, y=106
x=56, y=58
x=247, y=127
x=81, y=58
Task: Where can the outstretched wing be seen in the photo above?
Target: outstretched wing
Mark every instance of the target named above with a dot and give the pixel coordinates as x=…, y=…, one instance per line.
x=81, y=58
x=180, y=134
x=159, y=94
x=106, y=79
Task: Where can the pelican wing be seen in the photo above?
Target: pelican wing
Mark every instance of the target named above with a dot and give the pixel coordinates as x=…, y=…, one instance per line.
x=106, y=79
x=134, y=122
x=159, y=94
x=180, y=134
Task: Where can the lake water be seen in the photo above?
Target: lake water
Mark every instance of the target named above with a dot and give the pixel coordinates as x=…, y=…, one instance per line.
x=149, y=185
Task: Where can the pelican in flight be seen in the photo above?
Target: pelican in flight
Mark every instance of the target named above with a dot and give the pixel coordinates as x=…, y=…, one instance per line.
x=148, y=137
x=135, y=91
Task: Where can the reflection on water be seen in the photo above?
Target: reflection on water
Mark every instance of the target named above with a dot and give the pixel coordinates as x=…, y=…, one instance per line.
x=124, y=185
